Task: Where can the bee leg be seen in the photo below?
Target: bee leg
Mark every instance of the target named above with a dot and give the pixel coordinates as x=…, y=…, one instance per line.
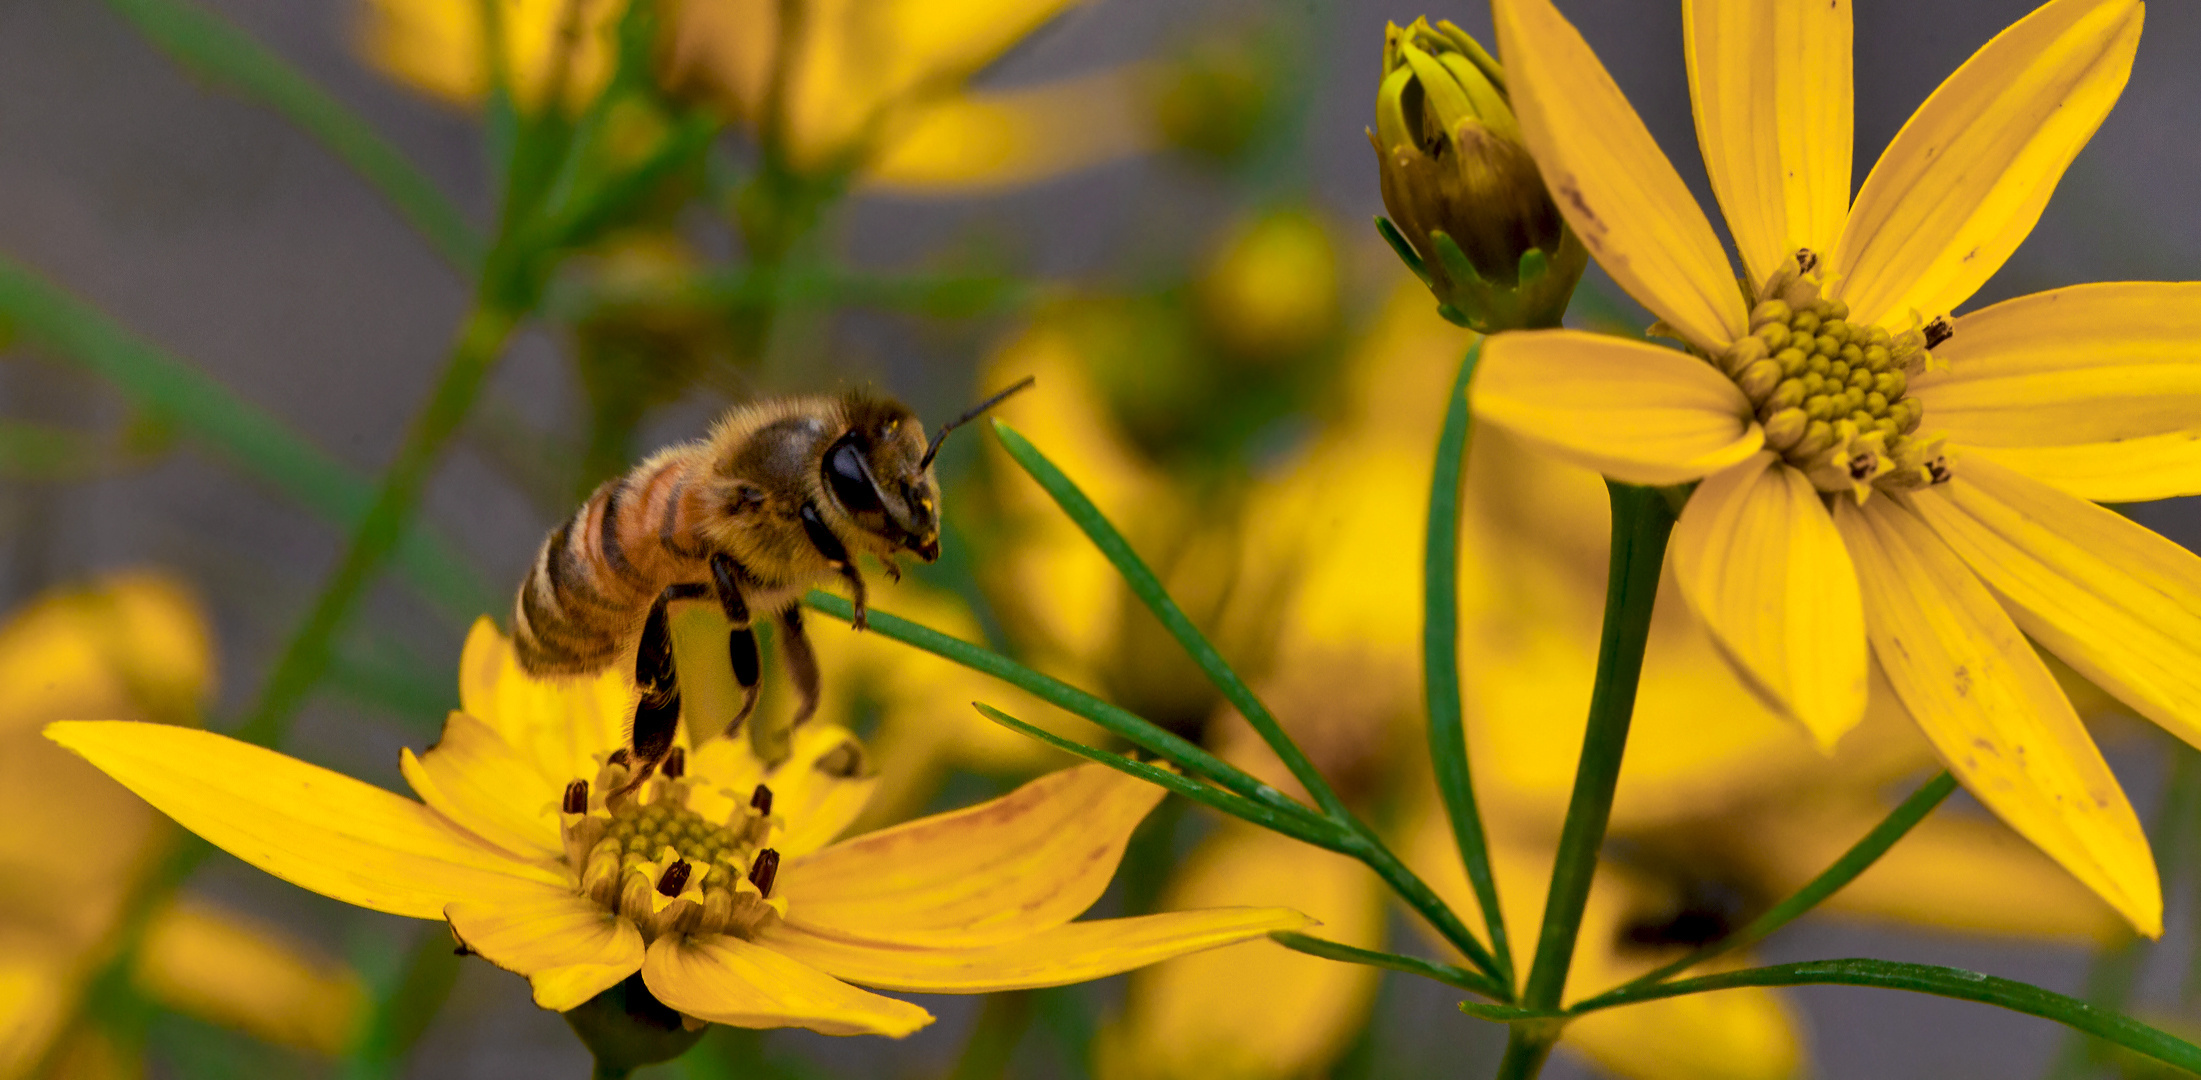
x=741, y=643
x=802, y=664
x=657, y=714
x=836, y=556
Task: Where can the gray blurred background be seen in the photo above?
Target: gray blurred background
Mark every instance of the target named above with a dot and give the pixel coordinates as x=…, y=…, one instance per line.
x=211, y=227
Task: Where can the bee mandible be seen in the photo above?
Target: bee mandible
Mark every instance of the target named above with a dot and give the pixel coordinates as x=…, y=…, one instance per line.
x=782, y=493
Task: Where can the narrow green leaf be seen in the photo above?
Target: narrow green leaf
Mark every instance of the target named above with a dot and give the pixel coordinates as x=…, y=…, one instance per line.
x=1853, y=862
x=210, y=47
x=1309, y=828
x=1940, y=982
x=207, y=413
x=1473, y=982
x=1441, y=660
x=1135, y=729
x=1150, y=592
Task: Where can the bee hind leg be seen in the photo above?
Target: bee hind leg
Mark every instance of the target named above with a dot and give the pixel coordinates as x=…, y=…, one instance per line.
x=741, y=642
x=657, y=713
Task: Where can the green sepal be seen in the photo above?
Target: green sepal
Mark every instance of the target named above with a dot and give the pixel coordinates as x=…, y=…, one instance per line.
x=1400, y=247
x=1454, y=261
x=1533, y=267
x=626, y=1027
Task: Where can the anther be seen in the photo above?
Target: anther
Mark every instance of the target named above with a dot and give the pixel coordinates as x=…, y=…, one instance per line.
x=766, y=868
x=1807, y=260
x=620, y=757
x=761, y=800
x=675, y=878
x=676, y=764
x=576, y=798
x=1938, y=331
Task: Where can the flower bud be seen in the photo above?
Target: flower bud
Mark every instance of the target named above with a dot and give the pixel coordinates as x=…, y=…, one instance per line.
x=1469, y=211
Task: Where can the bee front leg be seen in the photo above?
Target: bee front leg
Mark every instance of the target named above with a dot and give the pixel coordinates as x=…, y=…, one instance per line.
x=802, y=664
x=836, y=556
x=741, y=643
x=657, y=713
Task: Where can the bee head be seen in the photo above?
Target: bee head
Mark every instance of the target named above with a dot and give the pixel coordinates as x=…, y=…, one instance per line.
x=878, y=473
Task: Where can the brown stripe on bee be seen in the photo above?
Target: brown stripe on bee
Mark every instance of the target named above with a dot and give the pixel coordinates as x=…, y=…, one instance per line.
x=608, y=522
x=669, y=528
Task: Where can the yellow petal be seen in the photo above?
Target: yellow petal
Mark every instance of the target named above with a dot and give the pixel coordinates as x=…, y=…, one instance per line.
x=1256, y=1009
x=1074, y=952
x=2118, y=603
x=565, y=724
x=996, y=872
x=986, y=140
x=1964, y=181
x=729, y=981
x=2094, y=388
x=1991, y=708
x=1953, y=871
x=1759, y=560
x=221, y=967
x=1609, y=178
x=818, y=790
x=569, y=947
x=484, y=786
x=1771, y=87
x=1630, y=410
x=316, y=829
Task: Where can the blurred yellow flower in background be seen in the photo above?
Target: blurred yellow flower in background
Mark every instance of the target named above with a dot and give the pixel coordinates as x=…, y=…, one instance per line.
x=717, y=881
x=874, y=88
x=75, y=845
x=1946, y=546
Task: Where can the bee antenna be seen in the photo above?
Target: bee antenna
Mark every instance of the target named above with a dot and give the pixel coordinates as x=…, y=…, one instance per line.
x=977, y=411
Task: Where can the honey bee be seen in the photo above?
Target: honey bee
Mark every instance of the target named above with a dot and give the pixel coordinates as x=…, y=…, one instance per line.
x=781, y=494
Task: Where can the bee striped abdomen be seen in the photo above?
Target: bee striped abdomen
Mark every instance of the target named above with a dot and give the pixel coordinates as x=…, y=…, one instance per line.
x=595, y=577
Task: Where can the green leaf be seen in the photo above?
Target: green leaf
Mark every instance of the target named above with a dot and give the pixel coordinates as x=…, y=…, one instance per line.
x=1137, y=730
x=1441, y=659
x=1853, y=862
x=205, y=412
x=1448, y=974
x=1940, y=982
x=1305, y=827
x=211, y=48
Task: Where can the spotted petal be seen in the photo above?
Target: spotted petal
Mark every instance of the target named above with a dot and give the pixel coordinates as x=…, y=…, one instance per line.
x=1630, y=410
x=1968, y=175
x=989, y=874
x=2095, y=389
x=1770, y=83
x=2118, y=603
x=569, y=947
x=316, y=829
x=729, y=981
x=1759, y=560
x=1991, y=708
x=1610, y=179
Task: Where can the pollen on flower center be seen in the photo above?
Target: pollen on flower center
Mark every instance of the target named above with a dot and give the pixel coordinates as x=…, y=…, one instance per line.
x=647, y=856
x=1830, y=393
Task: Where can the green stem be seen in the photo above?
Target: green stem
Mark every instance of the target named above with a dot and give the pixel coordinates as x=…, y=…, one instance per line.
x=1441, y=663
x=1853, y=862
x=1528, y=1045
x=1448, y=974
x=307, y=656
x=1642, y=520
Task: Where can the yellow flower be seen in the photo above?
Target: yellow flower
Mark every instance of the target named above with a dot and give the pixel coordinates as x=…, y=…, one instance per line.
x=717, y=883
x=75, y=845
x=1874, y=470
x=1720, y=797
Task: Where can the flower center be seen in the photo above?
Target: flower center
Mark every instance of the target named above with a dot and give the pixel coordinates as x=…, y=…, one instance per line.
x=645, y=855
x=1830, y=393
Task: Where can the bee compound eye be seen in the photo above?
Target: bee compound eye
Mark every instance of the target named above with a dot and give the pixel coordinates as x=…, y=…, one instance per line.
x=850, y=480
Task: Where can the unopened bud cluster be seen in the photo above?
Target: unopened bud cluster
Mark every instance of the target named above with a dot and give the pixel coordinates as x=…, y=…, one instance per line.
x=1831, y=393
x=643, y=854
